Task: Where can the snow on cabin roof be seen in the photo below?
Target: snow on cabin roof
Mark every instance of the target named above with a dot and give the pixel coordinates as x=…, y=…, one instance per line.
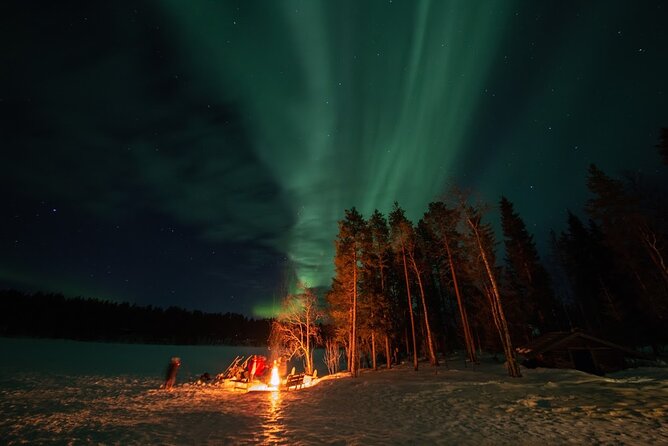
x=550, y=341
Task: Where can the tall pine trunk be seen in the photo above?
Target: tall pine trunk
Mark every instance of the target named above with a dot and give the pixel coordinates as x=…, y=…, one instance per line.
x=466, y=328
x=373, y=350
x=495, y=298
x=353, y=348
x=349, y=352
x=388, y=358
x=410, y=307
x=433, y=360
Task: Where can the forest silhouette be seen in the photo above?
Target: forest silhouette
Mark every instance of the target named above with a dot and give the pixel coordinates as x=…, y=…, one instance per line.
x=87, y=319
x=413, y=290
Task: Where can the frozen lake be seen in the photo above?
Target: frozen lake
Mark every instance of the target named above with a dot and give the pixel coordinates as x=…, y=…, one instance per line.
x=91, y=358
x=85, y=393
x=61, y=391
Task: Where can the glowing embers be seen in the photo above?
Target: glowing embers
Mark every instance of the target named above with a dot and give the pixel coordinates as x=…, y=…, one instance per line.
x=273, y=385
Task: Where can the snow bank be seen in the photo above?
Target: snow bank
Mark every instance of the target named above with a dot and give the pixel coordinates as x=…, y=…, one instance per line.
x=481, y=405
x=475, y=405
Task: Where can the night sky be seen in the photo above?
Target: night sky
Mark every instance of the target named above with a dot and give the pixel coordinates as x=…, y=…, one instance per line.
x=199, y=154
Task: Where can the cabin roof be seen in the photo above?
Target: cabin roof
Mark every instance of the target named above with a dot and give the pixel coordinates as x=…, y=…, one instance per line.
x=552, y=340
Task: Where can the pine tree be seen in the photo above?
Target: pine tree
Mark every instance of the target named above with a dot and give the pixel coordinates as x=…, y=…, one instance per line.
x=527, y=276
x=407, y=239
x=442, y=224
x=634, y=237
x=377, y=262
x=351, y=244
x=593, y=277
x=483, y=239
x=400, y=231
x=436, y=279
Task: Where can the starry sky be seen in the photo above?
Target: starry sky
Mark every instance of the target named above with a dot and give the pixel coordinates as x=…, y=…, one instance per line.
x=200, y=153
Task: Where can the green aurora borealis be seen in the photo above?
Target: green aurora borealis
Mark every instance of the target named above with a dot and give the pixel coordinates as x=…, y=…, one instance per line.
x=343, y=113
x=246, y=128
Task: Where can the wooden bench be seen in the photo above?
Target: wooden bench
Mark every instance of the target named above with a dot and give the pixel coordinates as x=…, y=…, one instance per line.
x=295, y=381
x=239, y=384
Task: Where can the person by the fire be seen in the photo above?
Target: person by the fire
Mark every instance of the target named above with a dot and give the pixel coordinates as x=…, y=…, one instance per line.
x=172, y=368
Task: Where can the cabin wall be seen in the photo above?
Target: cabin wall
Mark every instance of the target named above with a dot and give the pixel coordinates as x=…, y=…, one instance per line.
x=608, y=359
x=558, y=359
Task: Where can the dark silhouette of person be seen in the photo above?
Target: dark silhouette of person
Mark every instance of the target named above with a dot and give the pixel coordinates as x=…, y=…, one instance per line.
x=172, y=368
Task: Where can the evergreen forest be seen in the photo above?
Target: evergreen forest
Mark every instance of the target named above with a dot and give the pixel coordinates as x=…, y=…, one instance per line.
x=417, y=289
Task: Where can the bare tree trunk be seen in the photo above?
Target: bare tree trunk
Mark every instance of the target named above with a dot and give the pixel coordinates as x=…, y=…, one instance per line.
x=513, y=367
x=410, y=307
x=468, y=338
x=433, y=360
x=349, y=354
x=444, y=302
x=388, y=359
x=308, y=355
x=353, y=348
x=373, y=350
x=495, y=315
x=408, y=349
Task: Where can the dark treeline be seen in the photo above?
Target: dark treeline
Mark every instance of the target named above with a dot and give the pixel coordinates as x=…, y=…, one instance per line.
x=419, y=288
x=54, y=316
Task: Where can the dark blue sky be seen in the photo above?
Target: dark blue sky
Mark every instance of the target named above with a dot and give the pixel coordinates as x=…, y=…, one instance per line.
x=200, y=153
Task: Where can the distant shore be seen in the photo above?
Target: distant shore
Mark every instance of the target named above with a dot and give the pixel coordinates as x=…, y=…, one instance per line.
x=54, y=316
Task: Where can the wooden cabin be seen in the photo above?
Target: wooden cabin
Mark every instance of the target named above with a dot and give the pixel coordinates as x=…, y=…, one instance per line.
x=577, y=350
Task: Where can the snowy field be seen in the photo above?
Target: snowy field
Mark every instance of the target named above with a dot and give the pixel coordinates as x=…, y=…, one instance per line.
x=45, y=399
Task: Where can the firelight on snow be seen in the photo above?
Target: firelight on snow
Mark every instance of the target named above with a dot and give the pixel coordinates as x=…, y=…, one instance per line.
x=275, y=380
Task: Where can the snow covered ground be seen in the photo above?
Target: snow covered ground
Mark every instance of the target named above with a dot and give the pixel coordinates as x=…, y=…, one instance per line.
x=454, y=405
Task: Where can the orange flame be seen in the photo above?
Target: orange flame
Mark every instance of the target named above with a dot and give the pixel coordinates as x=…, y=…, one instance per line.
x=275, y=380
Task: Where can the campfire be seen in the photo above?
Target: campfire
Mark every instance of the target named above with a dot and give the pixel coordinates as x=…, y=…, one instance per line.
x=275, y=380
x=252, y=374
